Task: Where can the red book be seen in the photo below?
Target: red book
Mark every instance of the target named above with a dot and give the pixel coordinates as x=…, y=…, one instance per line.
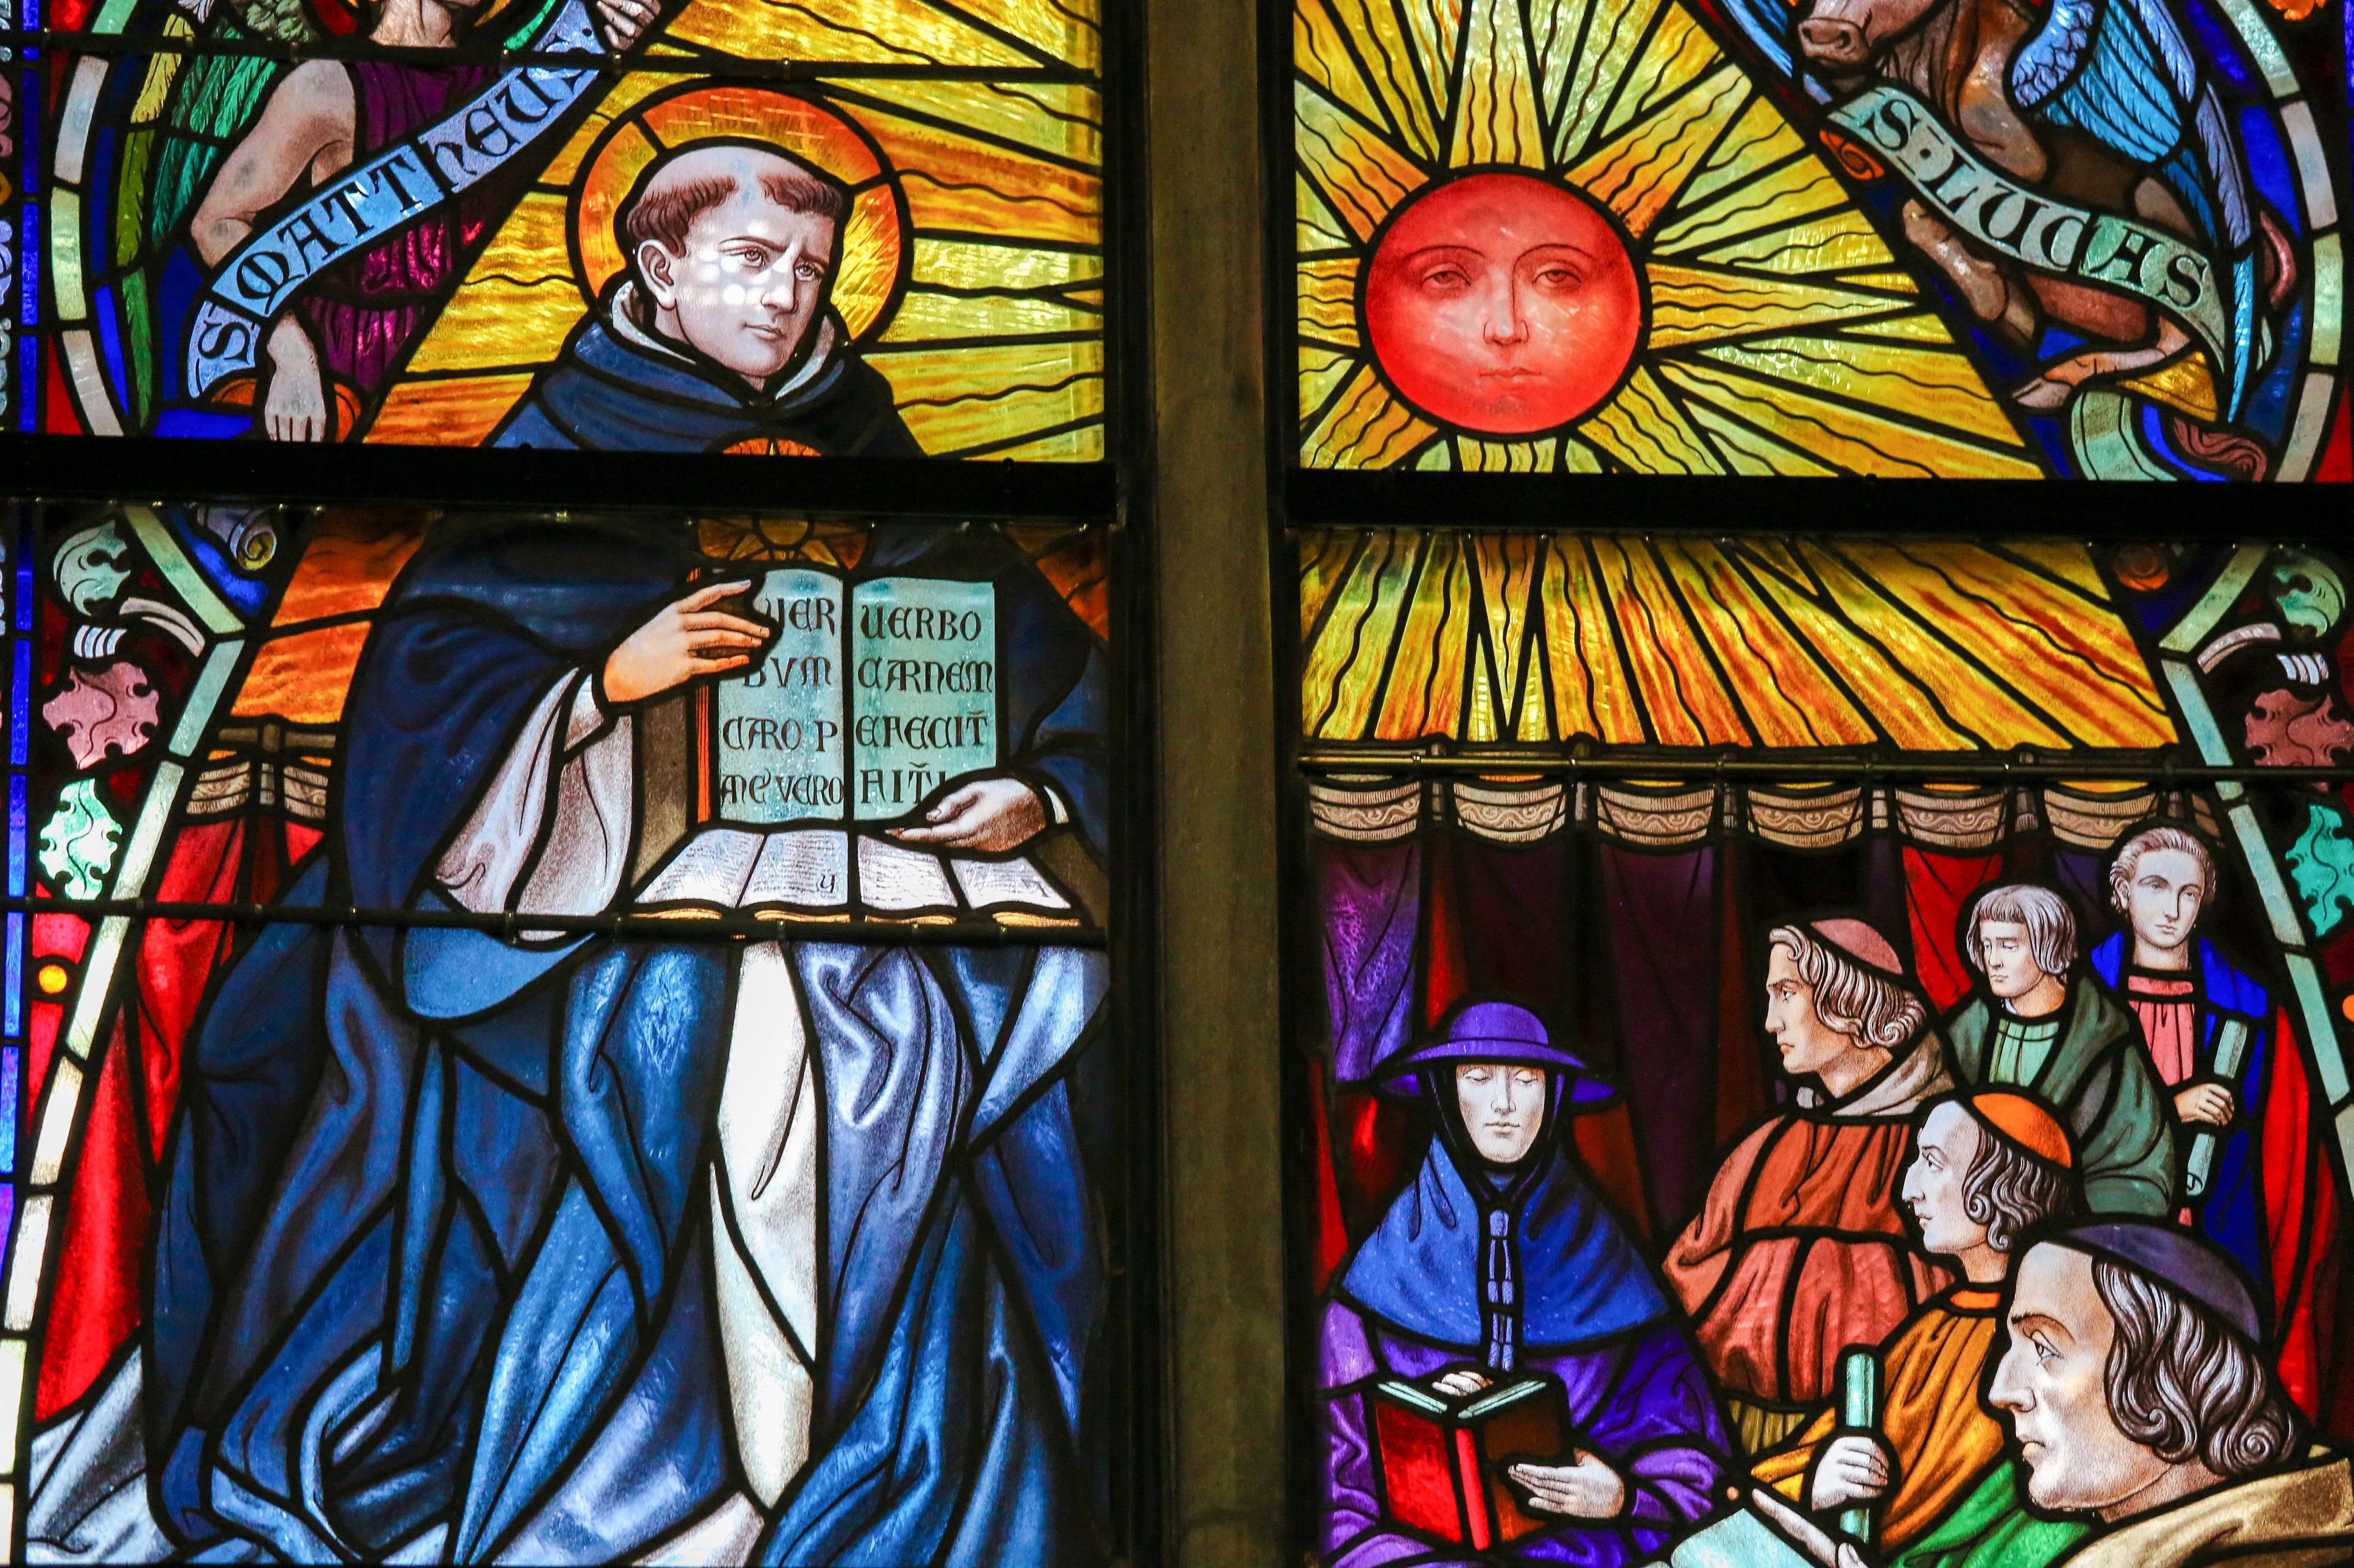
x=1443, y=1458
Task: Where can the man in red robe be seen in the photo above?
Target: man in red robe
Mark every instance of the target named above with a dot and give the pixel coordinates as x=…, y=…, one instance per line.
x=1801, y=1249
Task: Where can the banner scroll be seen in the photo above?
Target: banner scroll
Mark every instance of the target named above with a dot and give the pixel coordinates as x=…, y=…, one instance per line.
x=2099, y=250
x=363, y=204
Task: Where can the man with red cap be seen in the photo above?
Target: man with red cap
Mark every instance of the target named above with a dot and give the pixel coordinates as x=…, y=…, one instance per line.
x=1801, y=1248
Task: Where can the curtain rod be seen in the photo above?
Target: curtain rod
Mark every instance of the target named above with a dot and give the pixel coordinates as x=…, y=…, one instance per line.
x=1937, y=769
x=967, y=932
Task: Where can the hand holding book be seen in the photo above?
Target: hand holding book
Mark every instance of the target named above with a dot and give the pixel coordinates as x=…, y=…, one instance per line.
x=1586, y=1488
x=684, y=638
x=989, y=814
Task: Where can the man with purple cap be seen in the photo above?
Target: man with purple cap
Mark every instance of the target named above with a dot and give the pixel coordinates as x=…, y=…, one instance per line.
x=2137, y=1388
x=1502, y=1260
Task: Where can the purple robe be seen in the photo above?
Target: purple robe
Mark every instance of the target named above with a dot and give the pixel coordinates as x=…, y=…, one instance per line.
x=366, y=311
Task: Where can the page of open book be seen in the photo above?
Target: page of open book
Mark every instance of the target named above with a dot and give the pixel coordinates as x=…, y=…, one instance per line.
x=808, y=869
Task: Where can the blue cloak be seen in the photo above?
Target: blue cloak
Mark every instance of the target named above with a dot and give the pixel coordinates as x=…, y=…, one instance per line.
x=432, y=1279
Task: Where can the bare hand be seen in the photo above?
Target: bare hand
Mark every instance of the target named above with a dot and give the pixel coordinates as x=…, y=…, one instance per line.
x=1585, y=1489
x=623, y=20
x=986, y=814
x=686, y=638
x=2210, y=1103
x=1455, y=1384
x=1852, y=1469
x=295, y=408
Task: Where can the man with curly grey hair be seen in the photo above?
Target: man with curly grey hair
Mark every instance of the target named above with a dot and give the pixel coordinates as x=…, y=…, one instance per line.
x=2138, y=1390
x=1801, y=1247
x=2068, y=1042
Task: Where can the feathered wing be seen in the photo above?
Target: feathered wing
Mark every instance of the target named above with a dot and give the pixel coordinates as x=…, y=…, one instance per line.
x=2122, y=72
x=189, y=112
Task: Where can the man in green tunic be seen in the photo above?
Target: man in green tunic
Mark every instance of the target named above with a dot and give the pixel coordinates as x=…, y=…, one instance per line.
x=2069, y=1043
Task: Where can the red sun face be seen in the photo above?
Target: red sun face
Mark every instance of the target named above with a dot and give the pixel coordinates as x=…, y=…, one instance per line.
x=1503, y=303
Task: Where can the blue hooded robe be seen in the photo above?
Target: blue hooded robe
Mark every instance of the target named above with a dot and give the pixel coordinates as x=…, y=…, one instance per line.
x=431, y=1278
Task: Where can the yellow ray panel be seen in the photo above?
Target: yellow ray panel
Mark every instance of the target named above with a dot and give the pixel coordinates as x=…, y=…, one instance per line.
x=1780, y=195
x=1361, y=173
x=1595, y=71
x=1324, y=557
x=1590, y=690
x=1496, y=119
x=1507, y=565
x=975, y=264
x=924, y=317
x=1424, y=694
x=973, y=393
x=1695, y=304
x=1936, y=386
x=460, y=412
x=1977, y=706
x=493, y=324
x=1506, y=457
x=1318, y=52
x=1760, y=136
x=1389, y=58
x=1638, y=173
x=620, y=98
x=1642, y=428
x=1343, y=669
x=1899, y=706
x=1747, y=452
x=1852, y=439
x=1065, y=34
x=1365, y=427
x=2071, y=562
x=1920, y=328
x=1787, y=697
x=1085, y=444
x=958, y=183
x=1679, y=52
x=2067, y=654
x=1687, y=704
x=1835, y=242
x=866, y=34
x=1437, y=29
x=1059, y=118
x=1314, y=227
x=1553, y=38
x=1320, y=370
x=1328, y=300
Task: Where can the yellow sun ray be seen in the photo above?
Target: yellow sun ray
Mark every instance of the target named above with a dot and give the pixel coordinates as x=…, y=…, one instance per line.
x=1389, y=58
x=1328, y=301
x=1938, y=385
x=1692, y=304
x=973, y=394
x=1674, y=57
x=792, y=30
x=1642, y=428
x=978, y=264
x=1320, y=370
x=1365, y=427
x=1064, y=34
x=1496, y=117
x=1783, y=195
x=1361, y=174
x=1832, y=243
x=1589, y=77
x=1746, y=451
x=1317, y=49
x=1639, y=172
x=1313, y=225
x=1437, y=29
x=1857, y=440
x=1060, y=119
x=1762, y=136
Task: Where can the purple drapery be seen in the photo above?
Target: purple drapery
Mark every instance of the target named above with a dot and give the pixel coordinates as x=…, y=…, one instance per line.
x=1369, y=897
x=1663, y=952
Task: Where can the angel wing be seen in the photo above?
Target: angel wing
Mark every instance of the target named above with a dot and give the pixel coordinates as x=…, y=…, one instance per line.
x=189, y=111
x=2122, y=72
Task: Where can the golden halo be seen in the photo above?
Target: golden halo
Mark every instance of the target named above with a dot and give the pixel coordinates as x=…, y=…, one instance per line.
x=872, y=236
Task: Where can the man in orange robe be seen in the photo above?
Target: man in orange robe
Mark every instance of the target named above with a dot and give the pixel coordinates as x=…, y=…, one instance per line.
x=1991, y=1165
x=1800, y=1250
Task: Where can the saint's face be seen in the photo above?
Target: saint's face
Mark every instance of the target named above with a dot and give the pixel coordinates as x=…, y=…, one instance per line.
x=1503, y=303
x=2164, y=897
x=1808, y=1044
x=2008, y=955
x=1503, y=1108
x=752, y=282
x=2050, y=1383
x=1948, y=1143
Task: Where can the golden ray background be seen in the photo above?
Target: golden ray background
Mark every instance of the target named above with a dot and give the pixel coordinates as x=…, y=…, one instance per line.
x=1784, y=338
x=994, y=348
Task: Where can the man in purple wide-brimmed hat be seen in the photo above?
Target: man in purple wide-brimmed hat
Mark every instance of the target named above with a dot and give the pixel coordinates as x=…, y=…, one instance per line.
x=1502, y=1260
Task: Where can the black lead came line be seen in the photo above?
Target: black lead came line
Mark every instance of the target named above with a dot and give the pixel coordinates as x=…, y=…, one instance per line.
x=1934, y=769
x=681, y=928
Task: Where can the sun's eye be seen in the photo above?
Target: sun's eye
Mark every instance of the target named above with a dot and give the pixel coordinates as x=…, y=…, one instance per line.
x=1447, y=279
x=1560, y=278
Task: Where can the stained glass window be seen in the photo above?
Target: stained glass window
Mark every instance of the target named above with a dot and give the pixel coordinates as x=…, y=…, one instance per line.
x=1820, y=237
x=865, y=230
x=1822, y=1049
x=575, y=1038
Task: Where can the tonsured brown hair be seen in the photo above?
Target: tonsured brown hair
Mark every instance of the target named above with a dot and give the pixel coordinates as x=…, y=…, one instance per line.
x=665, y=215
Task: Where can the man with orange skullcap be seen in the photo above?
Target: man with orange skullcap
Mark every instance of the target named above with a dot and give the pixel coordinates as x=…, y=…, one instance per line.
x=1801, y=1249
x=1988, y=1165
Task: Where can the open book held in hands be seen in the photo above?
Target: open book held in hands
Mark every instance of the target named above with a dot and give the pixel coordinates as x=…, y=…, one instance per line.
x=772, y=791
x=1443, y=1457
